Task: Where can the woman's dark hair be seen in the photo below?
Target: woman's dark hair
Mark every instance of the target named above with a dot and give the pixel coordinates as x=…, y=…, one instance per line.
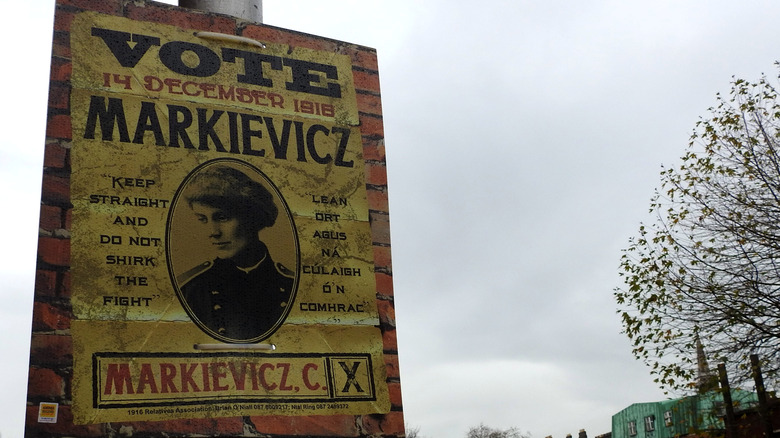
x=232, y=191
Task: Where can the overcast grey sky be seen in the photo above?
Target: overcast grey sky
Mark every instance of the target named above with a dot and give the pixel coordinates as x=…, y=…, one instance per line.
x=524, y=140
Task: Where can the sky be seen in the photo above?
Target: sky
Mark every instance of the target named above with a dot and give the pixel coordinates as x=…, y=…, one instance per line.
x=524, y=140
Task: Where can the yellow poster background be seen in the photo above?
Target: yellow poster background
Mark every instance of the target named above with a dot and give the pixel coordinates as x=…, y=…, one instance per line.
x=129, y=160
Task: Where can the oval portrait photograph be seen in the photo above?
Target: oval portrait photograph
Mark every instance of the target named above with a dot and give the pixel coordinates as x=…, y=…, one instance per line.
x=232, y=251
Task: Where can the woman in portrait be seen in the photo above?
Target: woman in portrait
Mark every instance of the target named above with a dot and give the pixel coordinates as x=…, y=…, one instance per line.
x=241, y=294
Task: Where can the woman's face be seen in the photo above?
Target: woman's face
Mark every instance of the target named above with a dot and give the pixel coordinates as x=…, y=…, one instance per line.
x=228, y=234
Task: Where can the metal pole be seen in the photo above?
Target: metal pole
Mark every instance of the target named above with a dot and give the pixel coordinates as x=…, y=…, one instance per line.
x=250, y=10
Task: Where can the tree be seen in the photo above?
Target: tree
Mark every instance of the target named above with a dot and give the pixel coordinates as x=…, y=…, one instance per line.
x=708, y=267
x=483, y=431
x=413, y=432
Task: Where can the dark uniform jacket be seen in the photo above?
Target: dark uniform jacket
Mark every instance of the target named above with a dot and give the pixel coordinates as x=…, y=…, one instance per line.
x=235, y=304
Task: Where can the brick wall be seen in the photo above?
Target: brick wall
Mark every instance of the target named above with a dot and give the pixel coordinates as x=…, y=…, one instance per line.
x=51, y=355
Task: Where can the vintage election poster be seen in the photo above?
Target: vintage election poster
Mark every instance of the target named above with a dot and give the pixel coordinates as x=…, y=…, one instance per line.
x=221, y=249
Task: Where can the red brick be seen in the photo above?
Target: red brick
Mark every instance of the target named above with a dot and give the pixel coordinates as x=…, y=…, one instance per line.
x=391, y=366
x=382, y=256
x=365, y=59
x=265, y=34
x=54, y=251
x=59, y=96
x=361, y=56
x=68, y=219
x=58, y=126
x=376, y=174
x=391, y=423
x=390, y=340
x=333, y=425
x=47, y=317
x=54, y=154
x=384, y=284
x=51, y=349
x=51, y=218
x=368, y=103
x=61, y=45
x=61, y=70
x=229, y=426
x=56, y=189
x=394, y=388
x=380, y=232
x=45, y=283
x=181, y=18
x=377, y=200
x=63, y=20
x=63, y=427
x=65, y=286
x=107, y=7
x=374, y=150
x=371, y=126
x=44, y=382
x=386, y=312
x=368, y=81
x=290, y=38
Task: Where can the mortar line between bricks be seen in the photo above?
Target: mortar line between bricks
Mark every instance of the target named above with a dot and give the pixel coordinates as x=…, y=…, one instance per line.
x=364, y=69
x=373, y=116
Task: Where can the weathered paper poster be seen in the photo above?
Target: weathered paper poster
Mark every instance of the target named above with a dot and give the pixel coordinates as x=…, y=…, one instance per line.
x=221, y=250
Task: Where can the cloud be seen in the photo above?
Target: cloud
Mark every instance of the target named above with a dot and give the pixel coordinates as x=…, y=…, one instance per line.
x=524, y=141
